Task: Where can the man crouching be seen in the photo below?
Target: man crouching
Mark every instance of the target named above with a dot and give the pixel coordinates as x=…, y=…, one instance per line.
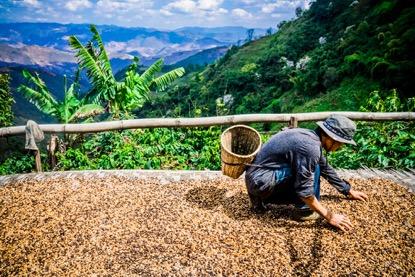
x=288, y=167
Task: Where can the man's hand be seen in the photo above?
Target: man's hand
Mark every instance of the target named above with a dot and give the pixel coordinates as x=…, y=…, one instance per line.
x=337, y=220
x=357, y=195
x=340, y=221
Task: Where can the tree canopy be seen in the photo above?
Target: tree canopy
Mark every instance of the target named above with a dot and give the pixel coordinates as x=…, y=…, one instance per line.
x=6, y=101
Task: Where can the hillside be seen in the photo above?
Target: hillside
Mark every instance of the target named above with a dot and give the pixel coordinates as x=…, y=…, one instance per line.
x=329, y=58
x=200, y=59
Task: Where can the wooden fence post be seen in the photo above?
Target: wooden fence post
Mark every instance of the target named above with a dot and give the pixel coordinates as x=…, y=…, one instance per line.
x=293, y=122
x=38, y=161
x=52, y=149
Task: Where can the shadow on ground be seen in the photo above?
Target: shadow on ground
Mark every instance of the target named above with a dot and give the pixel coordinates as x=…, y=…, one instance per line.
x=237, y=207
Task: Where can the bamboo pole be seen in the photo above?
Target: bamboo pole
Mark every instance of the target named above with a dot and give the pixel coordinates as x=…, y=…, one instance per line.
x=293, y=122
x=204, y=121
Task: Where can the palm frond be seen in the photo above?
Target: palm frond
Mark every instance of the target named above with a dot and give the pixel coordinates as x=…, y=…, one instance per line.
x=86, y=111
x=70, y=94
x=40, y=86
x=148, y=75
x=141, y=90
x=39, y=96
x=92, y=97
x=166, y=79
x=88, y=61
x=91, y=50
x=38, y=99
x=70, y=103
x=102, y=57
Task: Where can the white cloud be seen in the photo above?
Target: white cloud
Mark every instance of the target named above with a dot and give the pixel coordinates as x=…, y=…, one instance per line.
x=186, y=6
x=122, y=6
x=166, y=12
x=268, y=8
x=222, y=11
x=284, y=5
x=108, y=5
x=209, y=4
x=241, y=13
x=74, y=5
x=213, y=15
x=196, y=8
x=150, y=12
x=208, y=10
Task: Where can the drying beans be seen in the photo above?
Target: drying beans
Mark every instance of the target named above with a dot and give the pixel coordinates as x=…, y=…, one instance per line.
x=117, y=226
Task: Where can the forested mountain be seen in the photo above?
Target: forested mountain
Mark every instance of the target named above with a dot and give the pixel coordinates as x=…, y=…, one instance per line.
x=329, y=58
x=200, y=59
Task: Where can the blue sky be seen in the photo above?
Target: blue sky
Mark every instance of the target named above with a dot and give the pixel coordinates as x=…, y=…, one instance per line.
x=162, y=14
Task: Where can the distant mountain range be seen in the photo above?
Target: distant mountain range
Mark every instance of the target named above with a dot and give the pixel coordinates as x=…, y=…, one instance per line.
x=43, y=47
x=46, y=44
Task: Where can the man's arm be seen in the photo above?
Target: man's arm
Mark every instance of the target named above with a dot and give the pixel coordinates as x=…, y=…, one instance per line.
x=337, y=220
x=342, y=186
x=328, y=173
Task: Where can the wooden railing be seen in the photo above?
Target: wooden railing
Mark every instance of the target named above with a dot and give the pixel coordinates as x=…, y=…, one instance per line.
x=292, y=119
x=205, y=121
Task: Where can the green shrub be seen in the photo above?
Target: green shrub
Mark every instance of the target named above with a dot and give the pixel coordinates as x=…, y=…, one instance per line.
x=17, y=163
x=381, y=144
x=6, y=101
x=161, y=148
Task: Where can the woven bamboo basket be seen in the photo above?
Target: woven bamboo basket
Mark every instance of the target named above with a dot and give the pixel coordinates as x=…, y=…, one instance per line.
x=239, y=145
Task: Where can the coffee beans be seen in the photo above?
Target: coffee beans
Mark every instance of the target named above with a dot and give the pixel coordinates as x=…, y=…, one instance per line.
x=116, y=225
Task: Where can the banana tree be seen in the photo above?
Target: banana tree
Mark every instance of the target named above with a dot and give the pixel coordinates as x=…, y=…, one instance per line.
x=69, y=110
x=119, y=97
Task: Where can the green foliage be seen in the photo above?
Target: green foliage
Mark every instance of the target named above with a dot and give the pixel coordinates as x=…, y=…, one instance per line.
x=350, y=95
x=69, y=110
x=6, y=101
x=22, y=162
x=120, y=97
x=17, y=163
x=147, y=149
x=381, y=145
x=74, y=158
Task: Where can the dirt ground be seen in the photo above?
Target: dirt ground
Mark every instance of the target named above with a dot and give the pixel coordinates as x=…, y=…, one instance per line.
x=117, y=226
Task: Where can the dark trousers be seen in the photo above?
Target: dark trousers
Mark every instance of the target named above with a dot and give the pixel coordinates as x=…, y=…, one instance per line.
x=282, y=192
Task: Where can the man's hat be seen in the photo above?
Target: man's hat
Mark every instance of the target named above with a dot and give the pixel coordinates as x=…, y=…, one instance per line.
x=339, y=128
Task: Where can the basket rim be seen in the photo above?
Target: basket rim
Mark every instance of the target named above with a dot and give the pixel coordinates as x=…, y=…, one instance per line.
x=237, y=155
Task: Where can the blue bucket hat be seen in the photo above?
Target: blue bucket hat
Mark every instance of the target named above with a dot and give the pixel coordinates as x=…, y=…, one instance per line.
x=339, y=128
